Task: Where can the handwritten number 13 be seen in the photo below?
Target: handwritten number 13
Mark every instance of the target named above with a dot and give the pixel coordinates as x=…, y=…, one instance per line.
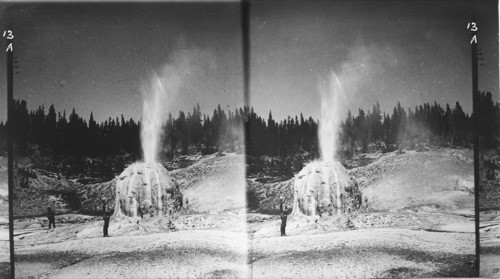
x=9, y=34
x=473, y=28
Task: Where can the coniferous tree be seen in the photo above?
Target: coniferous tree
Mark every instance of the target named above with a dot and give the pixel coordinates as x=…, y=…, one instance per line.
x=78, y=137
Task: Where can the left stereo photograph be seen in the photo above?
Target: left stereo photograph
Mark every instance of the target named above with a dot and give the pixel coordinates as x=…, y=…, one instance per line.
x=128, y=157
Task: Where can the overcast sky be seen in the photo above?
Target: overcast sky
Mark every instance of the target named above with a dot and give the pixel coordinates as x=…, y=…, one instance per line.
x=96, y=57
x=411, y=51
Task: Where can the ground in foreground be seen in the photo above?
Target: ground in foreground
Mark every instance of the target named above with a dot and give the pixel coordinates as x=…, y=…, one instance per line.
x=366, y=253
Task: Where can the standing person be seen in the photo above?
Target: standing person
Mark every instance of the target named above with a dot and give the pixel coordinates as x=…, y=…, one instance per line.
x=319, y=209
x=141, y=211
x=283, y=222
x=106, y=223
x=105, y=217
x=51, y=217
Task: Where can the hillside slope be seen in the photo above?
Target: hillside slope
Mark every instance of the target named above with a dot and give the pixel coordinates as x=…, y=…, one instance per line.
x=436, y=180
x=214, y=184
x=35, y=190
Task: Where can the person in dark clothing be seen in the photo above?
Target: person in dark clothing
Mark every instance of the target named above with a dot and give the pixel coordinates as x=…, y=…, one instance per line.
x=105, y=217
x=283, y=222
x=51, y=217
x=319, y=209
x=106, y=223
x=282, y=203
x=141, y=211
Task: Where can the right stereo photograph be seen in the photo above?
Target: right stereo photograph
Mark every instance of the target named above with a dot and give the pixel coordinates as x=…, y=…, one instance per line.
x=365, y=122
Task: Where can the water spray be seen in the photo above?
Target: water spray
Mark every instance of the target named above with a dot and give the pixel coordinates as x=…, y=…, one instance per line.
x=326, y=179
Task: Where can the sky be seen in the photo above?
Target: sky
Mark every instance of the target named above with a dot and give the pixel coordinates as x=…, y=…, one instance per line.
x=385, y=51
x=100, y=57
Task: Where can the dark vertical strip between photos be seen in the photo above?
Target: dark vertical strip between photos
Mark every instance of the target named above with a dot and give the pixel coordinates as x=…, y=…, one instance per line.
x=245, y=33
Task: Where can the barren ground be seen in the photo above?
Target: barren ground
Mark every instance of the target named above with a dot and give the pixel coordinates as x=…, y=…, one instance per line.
x=211, y=241
x=489, y=222
x=196, y=254
x=364, y=253
x=490, y=244
x=4, y=220
x=418, y=222
x=414, y=238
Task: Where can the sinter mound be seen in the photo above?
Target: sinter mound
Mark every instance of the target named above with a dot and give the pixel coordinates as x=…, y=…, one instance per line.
x=146, y=187
x=324, y=188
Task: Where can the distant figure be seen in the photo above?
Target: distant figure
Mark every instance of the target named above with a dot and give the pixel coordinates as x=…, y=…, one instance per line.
x=51, y=217
x=106, y=224
x=319, y=209
x=283, y=222
x=349, y=224
x=141, y=211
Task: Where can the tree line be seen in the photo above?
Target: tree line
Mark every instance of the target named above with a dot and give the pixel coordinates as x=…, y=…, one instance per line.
x=429, y=124
x=75, y=136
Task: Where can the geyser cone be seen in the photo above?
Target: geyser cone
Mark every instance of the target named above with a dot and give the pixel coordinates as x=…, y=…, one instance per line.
x=324, y=188
x=147, y=187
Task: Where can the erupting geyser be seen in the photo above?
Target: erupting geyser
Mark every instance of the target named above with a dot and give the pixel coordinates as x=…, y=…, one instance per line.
x=146, y=188
x=152, y=119
x=324, y=186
